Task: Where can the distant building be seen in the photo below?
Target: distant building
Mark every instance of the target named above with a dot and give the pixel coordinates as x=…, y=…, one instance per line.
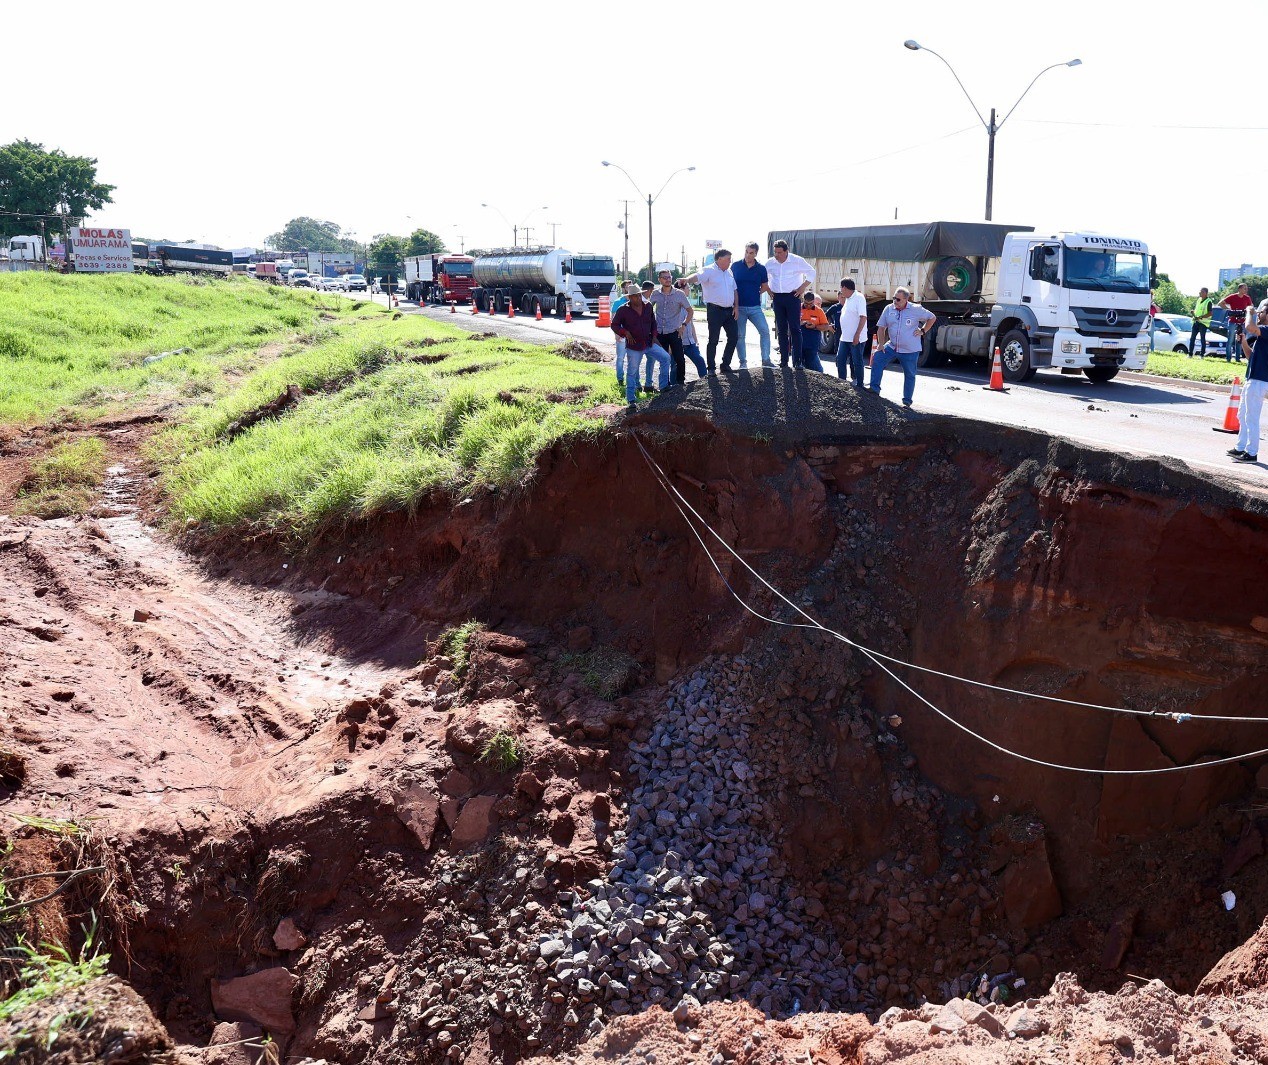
x=1232, y=273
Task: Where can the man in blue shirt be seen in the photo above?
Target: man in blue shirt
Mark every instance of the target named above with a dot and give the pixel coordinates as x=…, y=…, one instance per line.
x=617, y=304
x=1247, y=449
x=750, y=283
x=900, y=334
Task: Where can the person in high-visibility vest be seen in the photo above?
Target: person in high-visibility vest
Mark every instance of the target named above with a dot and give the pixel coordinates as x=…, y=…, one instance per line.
x=1201, y=322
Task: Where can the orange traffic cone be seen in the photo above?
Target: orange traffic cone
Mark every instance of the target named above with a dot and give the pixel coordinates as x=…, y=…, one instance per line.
x=538, y=315
x=491, y=310
x=997, y=374
x=1231, y=424
x=568, y=316
x=510, y=309
x=605, y=313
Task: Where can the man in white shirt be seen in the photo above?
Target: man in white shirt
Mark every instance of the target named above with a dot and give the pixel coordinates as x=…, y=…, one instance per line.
x=853, y=327
x=787, y=277
x=722, y=307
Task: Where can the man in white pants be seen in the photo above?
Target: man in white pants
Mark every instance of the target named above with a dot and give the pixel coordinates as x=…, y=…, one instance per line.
x=1247, y=449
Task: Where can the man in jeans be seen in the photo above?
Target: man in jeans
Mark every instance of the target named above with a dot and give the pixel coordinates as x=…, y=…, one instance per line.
x=721, y=305
x=899, y=335
x=750, y=283
x=787, y=277
x=1247, y=449
x=635, y=323
x=672, y=311
x=853, y=327
x=617, y=304
x=1236, y=303
x=1201, y=322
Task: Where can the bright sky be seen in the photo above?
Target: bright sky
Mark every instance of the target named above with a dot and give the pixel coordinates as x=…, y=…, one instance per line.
x=220, y=122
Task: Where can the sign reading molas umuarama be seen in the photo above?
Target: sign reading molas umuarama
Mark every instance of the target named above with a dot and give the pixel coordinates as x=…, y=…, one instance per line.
x=99, y=251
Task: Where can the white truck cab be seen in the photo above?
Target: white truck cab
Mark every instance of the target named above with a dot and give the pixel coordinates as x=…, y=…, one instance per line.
x=1077, y=302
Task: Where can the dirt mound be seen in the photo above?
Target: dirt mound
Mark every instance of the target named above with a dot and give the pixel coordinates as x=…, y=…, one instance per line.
x=104, y=1020
x=1242, y=969
x=581, y=350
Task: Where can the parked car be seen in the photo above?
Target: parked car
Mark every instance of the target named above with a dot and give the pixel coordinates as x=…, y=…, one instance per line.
x=1172, y=331
x=300, y=278
x=355, y=283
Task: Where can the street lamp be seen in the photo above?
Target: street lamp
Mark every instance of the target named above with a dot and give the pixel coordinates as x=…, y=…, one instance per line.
x=515, y=229
x=991, y=127
x=651, y=262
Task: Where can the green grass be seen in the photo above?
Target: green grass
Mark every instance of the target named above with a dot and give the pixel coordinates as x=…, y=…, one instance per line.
x=604, y=670
x=455, y=644
x=1214, y=370
x=72, y=347
x=394, y=409
x=502, y=751
x=65, y=482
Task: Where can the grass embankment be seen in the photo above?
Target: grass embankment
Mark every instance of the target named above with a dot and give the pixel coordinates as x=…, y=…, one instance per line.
x=73, y=347
x=392, y=410
x=388, y=409
x=1212, y=369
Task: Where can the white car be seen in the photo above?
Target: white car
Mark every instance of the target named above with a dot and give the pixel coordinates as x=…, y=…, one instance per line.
x=300, y=279
x=1171, y=332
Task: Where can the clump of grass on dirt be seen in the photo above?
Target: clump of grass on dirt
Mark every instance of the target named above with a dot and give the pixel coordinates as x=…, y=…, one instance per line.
x=455, y=644
x=604, y=670
x=73, y=346
x=502, y=751
x=50, y=971
x=65, y=481
x=392, y=411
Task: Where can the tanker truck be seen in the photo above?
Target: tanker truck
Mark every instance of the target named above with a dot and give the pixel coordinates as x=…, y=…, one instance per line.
x=438, y=278
x=545, y=279
x=1074, y=302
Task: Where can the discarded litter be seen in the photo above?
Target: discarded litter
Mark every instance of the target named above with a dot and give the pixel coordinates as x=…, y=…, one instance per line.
x=1230, y=900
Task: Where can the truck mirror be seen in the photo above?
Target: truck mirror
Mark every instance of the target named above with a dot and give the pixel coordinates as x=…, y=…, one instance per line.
x=1036, y=263
x=1153, y=271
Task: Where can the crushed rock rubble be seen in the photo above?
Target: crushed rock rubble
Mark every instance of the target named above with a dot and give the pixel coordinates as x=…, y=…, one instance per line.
x=698, y=906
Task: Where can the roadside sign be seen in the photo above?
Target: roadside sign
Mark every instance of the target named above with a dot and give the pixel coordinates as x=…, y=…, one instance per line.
x=101, y=251
x=713, y=245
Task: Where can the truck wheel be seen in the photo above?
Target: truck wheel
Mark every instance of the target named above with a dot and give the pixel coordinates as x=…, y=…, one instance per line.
x=481, y=300
x=561, y=306
x=955, y=278
x=1015, y=356
x=930, y=356
x=1101, y=374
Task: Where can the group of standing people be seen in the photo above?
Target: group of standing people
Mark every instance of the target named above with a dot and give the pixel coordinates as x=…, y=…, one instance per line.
x=654, y=326
x=1237, y=304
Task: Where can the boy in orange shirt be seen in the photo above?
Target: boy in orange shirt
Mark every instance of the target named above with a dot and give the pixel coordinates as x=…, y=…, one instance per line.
x=814, y=322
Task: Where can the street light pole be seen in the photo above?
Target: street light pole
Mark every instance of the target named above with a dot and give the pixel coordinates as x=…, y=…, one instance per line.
x=651, y=262
x=993, y=127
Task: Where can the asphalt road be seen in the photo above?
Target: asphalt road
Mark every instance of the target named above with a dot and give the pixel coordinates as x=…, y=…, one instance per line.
x=1135, y=414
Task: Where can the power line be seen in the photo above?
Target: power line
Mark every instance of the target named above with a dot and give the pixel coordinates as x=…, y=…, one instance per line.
x=879, y=659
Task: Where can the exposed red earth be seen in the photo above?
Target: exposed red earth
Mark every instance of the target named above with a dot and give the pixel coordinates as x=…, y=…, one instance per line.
x=720, y=837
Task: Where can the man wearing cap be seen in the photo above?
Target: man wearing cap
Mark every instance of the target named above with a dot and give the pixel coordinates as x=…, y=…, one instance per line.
x=1247, y=448
x=617, y=304
x=900, y=334
x=635, y=323
x=721, y=305
x=788, y=276
x=750, y=283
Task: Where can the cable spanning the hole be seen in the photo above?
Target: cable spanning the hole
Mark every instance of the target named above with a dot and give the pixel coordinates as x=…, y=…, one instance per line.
x=880, y=660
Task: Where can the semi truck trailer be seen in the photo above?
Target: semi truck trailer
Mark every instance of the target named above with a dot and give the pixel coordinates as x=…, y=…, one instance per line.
x=177, y=259
x=439, y=278
x=1076, y=302
x=545, y=279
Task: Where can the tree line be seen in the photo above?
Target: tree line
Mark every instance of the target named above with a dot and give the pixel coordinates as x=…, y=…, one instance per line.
x=384, y=253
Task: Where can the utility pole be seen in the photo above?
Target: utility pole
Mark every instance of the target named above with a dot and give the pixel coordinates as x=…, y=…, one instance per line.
x=990, y=164
x=651, y=262
x=625, y=263
x=528, y=240
x=553, y=227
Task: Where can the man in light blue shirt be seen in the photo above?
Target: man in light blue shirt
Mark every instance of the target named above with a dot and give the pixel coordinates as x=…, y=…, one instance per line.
x=900, y=335
x=617, y=304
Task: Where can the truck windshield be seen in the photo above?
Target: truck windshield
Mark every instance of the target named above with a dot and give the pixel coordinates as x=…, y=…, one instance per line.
x=457, y=269
x=1108, y=271
x=594, y=267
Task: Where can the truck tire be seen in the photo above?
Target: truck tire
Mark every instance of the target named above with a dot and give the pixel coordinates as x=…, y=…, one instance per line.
x=561, y=305
x=1101, y=374
x=1015, y=357
x=955, y=278
x=499, y=302
x=930, y=356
